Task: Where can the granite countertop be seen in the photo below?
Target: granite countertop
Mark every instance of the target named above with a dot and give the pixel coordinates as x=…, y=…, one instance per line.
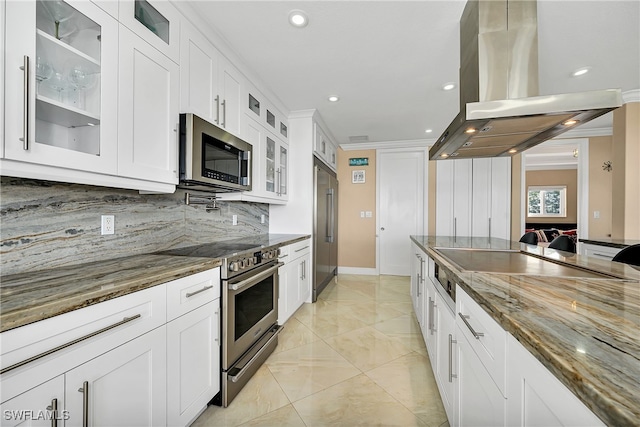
x=37, y=295
x=612, y=243
x=584, y=330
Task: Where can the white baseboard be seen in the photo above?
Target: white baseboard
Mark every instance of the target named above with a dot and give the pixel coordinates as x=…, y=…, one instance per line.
x=358, y=270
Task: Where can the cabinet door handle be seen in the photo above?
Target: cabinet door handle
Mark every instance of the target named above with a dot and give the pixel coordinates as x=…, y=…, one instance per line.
x=451, y=374
x=279, y=182
x=217, y=339
x=176, y=151
x=85, y=403
x=455, y=228
x=54, y=412
x=489, y=227
x=224, y=113
x=430, y=324
x=217, y=110
x=473, y=331
x=70, y=343
x=25, y=112
x=190, y=294
x=421, y=270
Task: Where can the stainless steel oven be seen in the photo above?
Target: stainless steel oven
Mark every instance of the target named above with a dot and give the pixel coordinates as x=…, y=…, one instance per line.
x=249, y=317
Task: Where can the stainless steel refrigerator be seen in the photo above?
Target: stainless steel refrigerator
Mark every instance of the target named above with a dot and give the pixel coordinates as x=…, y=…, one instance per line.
x=325, y=227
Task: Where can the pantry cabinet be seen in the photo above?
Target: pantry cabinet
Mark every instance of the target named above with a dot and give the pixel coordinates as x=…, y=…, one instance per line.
x=473, y=197
x=62, y=84
x=419, y=268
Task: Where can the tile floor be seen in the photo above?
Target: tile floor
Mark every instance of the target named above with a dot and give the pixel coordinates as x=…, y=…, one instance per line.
x=355, y=357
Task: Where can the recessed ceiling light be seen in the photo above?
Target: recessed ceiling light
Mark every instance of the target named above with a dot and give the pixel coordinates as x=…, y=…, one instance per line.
x=298, y=18
x=513, y=150
x=581, y=71
x=429, y=130
x=334, y=98
x=444, y=155
x=448, y=86
x=570, y=122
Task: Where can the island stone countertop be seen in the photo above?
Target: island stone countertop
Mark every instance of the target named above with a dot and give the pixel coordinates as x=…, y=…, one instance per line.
x=586, y=331
x=37, y=295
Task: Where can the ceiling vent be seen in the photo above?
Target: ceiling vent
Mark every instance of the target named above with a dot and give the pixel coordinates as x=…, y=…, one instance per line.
x=359, y=138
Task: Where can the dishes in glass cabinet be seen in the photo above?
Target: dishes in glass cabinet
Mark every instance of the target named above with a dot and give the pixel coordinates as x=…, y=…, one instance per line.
x=60, y=13
x=59, y=83
x=81, y=79
x=44, y=71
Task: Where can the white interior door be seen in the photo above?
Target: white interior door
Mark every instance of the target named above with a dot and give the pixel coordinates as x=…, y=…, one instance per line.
x=401, y=212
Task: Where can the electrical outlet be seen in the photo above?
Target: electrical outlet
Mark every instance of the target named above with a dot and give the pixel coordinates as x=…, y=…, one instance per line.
x=361, y=214
x=262, y=219
x=368, y=214
x=234, y=219
x=108, y=224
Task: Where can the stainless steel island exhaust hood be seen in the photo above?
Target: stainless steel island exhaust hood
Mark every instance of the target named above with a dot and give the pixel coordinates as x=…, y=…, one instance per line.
x=501, y=114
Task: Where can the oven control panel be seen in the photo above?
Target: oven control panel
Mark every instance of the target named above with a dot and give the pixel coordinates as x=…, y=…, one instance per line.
x=245, y=262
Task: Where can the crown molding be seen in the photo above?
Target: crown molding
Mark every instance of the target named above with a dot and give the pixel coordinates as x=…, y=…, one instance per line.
x=631, y=96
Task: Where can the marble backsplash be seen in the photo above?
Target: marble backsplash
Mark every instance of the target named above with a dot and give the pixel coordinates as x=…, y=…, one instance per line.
x=48, y=224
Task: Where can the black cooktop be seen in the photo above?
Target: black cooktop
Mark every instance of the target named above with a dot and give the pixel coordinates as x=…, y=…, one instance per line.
x=213, y=250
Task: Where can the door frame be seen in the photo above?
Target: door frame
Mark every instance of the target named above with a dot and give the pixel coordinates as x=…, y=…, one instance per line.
x=424, y=151
x=583, y=184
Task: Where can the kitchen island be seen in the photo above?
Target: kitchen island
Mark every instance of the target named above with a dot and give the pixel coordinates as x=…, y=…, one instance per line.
x=583, y=327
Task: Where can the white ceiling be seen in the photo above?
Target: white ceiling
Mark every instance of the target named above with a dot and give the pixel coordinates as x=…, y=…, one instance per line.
x=387, y=60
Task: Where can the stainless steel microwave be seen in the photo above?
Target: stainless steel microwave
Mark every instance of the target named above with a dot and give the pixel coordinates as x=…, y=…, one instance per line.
x=211, y=158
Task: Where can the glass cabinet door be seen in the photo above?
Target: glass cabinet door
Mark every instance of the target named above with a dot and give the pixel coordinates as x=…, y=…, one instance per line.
x=283, y=171
x=61, y=117
x=270, y=170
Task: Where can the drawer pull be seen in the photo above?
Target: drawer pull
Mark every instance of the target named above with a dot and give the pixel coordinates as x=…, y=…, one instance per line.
x=70, y=343
x=473, y=331
x=283, y=256
x=603, y=255
x=302, y=249
x=206, y=288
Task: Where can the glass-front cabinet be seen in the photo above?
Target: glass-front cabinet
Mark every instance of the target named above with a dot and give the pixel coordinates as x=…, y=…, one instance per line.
x=61, y=85
x=276, y=162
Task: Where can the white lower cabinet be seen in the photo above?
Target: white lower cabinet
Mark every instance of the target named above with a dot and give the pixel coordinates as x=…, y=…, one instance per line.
x=605, y=253
x=193, y=363
x=537, y=397
x=119, y=362
x=478, y=399
x=418, y=283
x=484, y=375
x=294, y=279
x=36, y=407
x=124, y=387
x=445, y=333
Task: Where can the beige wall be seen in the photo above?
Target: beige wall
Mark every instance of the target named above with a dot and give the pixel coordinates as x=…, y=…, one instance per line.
x=626, y=172
x=600, y=182
x=568, y=177
x=357, y=241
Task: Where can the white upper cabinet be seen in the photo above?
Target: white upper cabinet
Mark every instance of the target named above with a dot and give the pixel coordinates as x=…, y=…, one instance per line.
x=157, y=22
x=148, y=112
x=260, y=109
x=324, y=148
x=453, y=193
x=210, y=86
x=61, y=85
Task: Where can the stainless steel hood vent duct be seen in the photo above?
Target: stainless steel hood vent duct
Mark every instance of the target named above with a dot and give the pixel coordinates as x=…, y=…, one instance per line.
x=501, y=112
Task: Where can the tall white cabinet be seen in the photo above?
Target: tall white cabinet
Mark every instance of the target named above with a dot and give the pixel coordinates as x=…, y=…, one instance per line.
x=473, y=197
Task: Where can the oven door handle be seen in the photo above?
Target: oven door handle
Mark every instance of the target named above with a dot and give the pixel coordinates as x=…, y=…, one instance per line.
x=255, y=279
x=236, y=378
